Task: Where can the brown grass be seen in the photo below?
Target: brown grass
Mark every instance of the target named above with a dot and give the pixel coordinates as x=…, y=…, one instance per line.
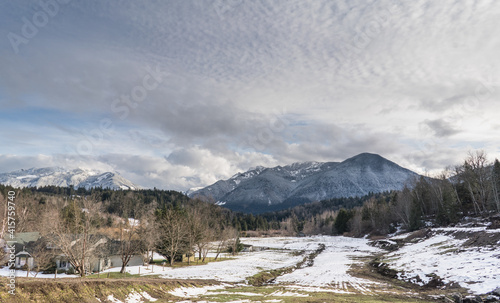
x=76, y=290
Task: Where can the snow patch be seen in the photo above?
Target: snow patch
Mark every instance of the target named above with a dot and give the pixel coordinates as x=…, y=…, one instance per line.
x=192, y=292
x=112, y=299
x=287, y=294
x=26, y=177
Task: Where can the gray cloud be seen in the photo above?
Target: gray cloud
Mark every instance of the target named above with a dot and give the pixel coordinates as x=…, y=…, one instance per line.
x=247, y=83
x=441, y=128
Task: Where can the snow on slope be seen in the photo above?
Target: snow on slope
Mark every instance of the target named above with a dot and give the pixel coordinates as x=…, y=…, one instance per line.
x=356, y=176
x=474, y=268
x=57, y=176
x=259, y=182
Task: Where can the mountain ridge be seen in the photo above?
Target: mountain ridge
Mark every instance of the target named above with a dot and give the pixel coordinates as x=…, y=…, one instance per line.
x=58, y=176
x=265, y=189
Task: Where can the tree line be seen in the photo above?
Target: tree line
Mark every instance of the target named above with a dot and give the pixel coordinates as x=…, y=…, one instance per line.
x=84, y=226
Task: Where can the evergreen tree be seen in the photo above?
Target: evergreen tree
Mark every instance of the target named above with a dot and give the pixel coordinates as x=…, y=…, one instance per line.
x=496, y=184
x=415, y=216
x=342, y=220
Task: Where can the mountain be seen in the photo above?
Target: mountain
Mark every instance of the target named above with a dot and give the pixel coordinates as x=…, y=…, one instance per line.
x=268, y=189
x=57, y=176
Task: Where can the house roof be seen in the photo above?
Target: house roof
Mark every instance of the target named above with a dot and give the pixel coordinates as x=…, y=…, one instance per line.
x=23, y=254
x=24, y=238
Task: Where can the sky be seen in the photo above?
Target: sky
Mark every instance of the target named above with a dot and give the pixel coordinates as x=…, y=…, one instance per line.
x=176, y=94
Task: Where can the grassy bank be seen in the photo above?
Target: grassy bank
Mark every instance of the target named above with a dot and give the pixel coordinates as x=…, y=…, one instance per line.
x=100, y=290
x=284, y=294
x=92, y=290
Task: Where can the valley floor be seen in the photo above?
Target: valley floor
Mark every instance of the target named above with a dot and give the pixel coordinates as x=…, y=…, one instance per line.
x=424, y=266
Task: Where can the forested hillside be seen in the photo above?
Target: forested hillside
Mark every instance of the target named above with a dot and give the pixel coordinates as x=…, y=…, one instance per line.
x=469, y=189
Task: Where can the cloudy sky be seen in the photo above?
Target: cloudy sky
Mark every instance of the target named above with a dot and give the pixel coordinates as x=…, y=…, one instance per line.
x=178, y=94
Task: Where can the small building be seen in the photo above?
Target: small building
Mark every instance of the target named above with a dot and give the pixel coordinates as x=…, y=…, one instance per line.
x=23, y=258
x=21, y=241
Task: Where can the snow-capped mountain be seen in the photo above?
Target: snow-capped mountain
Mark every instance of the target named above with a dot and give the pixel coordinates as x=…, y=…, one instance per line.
x=57, y=176
x=280, y=187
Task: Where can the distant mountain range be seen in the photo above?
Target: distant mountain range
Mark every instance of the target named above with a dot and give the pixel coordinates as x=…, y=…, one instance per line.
x=269, y=189
x=57, y=176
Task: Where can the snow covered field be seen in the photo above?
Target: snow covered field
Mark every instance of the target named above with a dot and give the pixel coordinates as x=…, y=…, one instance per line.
x=443, y=254
x=330, y=268
x=244, y=265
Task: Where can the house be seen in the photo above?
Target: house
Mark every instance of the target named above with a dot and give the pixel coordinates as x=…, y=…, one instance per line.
x=102, y=263
x=21, y=242
x=104, y=253
x=116, y=261
x=62, y=263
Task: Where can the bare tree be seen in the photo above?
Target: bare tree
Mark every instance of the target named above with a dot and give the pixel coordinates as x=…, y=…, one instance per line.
x=475, y=175
x=42, y=255
x=147, y=231
x=203, y=245
x=195, y=229
x=234, y=241
x=495, y=181
x=23, y=214
x=172, y=232
x=74, y=232
x=201, y=219
x=21, y=211
x=224, y=235
x=356, y=223
x=403, y=207
x=129, y=242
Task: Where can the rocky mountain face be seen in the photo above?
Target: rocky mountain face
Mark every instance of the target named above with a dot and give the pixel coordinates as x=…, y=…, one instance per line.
x=57, y=176
x=268, y=189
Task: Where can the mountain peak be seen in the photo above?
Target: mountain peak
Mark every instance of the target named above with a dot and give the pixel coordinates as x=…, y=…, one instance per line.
x=301, y=182
x=375, y=161
x=367, y=157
